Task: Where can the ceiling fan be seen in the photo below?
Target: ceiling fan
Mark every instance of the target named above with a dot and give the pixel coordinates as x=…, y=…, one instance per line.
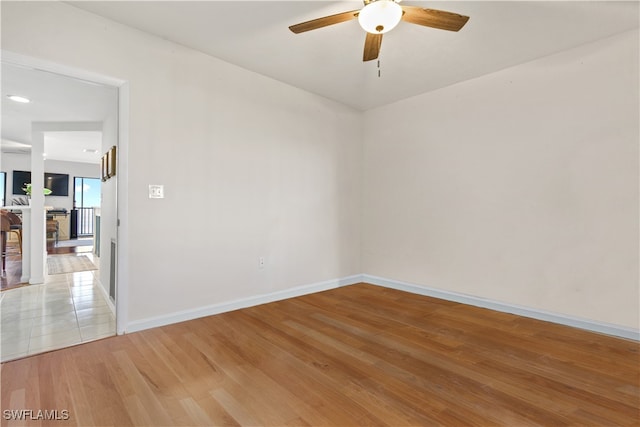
x=379, y=16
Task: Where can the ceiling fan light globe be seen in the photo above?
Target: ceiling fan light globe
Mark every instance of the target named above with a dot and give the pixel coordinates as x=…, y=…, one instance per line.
x=380, y=16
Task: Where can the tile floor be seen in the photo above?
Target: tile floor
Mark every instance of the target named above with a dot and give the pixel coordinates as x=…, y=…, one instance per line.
x=67, y=309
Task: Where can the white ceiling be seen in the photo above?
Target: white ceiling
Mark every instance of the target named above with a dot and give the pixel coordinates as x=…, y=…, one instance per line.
x=414, y=59
x=54, y=98
x=255, y=36
x=74, y=146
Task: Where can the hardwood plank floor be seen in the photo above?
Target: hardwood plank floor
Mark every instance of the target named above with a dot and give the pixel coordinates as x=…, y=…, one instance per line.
x=358, y=355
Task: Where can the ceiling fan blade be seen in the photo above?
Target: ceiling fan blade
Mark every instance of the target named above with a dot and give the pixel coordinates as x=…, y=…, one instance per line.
x=372, y=46
x=434, y=18
x=325, y=21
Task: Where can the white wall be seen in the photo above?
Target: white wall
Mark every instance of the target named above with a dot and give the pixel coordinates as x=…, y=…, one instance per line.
x=108, y=201
x=520, y=186
x=251, y=167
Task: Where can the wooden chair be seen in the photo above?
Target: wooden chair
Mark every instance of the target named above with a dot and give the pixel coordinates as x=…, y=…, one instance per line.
x=16, y=226
x=53, y=230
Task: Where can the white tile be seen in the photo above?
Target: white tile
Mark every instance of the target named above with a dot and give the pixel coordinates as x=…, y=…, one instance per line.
x=49, y=310
x=96, y=319
x=20, y=304
x=53, y=341
x=56, y=284
x=81, y=285
x=54, y=328
x=97, y=331
x=58, y=303
x=56, y=299
x=82, y=276
x=89, y=312
x=56, y=292
x=83, y=291
x=38, y=318
x=13, y=347
x=55, y=278
x=25, y=313
x=62, y=283
x=17, y=324
x=21, y=291
x=96, y=296
x=12, y=335
x=81, y=305
x=56, y=346
x=99, y=337
x=54, y=318
x=9, y=357
x=67, y=300
x=13, y=300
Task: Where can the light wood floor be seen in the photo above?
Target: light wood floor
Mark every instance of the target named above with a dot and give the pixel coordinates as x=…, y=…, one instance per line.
x=359, y=355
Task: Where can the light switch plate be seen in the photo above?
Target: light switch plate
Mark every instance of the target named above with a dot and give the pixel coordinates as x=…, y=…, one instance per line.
x=156, y=191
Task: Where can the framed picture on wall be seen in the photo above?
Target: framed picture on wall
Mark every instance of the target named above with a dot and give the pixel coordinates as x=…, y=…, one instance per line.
x=111, y=162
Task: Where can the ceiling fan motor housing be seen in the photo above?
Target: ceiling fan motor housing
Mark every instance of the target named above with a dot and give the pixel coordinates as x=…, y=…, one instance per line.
x=380, y=16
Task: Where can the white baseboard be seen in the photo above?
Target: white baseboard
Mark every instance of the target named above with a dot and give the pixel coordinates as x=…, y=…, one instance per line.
x=590, y=325
x=106, y=297
x=184, y=315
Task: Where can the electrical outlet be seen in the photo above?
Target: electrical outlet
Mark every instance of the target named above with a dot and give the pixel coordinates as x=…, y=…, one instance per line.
x=261, y=262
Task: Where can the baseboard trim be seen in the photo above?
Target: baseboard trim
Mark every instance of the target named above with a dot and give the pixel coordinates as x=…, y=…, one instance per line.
x=107, y=298
x=576, y=322
x=184, y=315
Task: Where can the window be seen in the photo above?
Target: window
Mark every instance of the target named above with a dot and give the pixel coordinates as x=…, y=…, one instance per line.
x=86, y=196
x=86, y=192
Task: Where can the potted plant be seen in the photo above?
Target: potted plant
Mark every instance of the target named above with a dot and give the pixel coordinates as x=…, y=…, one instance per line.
x=27, y=189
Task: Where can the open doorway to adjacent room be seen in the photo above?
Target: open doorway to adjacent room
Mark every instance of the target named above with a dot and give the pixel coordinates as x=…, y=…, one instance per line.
x=74, y=301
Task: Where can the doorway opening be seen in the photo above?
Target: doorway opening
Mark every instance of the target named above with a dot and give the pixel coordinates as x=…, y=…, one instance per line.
x=75, y=302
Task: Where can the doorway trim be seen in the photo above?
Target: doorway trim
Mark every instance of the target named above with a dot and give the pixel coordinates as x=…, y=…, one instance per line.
x=122, y=220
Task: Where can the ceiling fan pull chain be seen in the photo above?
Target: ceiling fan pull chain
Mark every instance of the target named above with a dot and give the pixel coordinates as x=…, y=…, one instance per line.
x=378, y=68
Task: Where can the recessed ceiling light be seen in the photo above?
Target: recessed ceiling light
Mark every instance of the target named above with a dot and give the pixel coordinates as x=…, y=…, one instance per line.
x=90, y=150
x=18, y=98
